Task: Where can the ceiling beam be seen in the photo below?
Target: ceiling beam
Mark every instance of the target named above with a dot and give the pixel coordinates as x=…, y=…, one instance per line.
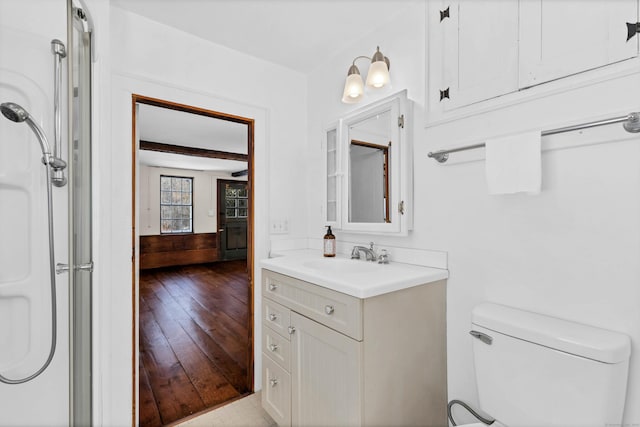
x=192, y=151
x=240, y=173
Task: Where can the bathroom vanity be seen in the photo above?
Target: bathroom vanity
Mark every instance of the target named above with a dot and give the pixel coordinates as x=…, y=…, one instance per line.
x=348, y=342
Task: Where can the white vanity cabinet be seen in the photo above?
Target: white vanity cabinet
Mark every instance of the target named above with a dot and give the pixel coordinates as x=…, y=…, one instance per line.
x=481, y=50
x=333, y=359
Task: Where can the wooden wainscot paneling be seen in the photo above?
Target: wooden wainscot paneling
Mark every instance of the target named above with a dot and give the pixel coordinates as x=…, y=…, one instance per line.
x=177, y=249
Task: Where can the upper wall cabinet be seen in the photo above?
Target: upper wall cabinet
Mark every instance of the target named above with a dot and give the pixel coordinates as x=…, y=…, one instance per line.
x=481, y=50
x=473, y=51
x=560, y=38
x=369, y=170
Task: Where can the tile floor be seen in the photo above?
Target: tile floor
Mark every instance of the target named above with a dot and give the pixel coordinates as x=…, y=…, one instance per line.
x=245, y=412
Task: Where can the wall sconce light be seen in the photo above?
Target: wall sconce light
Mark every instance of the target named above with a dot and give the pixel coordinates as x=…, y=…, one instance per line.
x=377, y=77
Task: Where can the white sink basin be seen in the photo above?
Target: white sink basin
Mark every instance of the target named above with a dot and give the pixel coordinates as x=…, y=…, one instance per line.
x=340, y=265
x=358, y=278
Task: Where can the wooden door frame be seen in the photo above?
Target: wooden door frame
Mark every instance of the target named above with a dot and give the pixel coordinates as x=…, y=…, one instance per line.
x=141, y=99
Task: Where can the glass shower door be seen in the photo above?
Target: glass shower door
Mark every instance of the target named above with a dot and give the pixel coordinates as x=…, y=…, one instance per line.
x=26, y=78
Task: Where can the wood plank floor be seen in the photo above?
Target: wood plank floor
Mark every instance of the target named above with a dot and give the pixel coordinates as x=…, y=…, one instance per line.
x=194, y=339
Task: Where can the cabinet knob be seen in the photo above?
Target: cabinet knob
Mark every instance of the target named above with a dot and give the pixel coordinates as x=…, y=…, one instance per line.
x=273, y=382
x=273, y=347
x=273, y=287
x=273, y=317
x=291, y=330
x=328, y=309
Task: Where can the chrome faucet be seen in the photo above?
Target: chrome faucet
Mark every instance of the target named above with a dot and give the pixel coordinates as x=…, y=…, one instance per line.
x=369, y=253
x=383, y=257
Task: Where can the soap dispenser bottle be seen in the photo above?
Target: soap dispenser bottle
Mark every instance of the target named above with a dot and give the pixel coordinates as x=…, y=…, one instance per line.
x=329, y=243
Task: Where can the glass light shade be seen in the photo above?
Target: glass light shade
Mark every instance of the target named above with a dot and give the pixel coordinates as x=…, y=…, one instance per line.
x=378, y=74
x=353, y=89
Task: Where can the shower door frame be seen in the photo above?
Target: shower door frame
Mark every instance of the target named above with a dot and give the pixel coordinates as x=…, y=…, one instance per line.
x=80, y=212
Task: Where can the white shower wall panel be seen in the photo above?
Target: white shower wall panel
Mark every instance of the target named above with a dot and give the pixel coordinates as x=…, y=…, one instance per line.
x=26, y=78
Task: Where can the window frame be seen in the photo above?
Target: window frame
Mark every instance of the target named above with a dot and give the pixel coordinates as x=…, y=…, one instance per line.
x=191, y=205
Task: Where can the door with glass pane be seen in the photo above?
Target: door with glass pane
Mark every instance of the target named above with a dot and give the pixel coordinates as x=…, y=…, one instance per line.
x=233, y=210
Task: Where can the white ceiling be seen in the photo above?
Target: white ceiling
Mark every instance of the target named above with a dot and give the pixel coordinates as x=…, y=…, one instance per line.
x=296, y=34
x=173, y=127
x=168, y=126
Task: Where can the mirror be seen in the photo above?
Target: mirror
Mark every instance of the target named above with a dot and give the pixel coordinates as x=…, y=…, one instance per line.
x=374, y=170
x=369, y=174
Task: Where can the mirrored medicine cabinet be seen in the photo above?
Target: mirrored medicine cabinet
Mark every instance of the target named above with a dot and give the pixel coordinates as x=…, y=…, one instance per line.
x=368, y=169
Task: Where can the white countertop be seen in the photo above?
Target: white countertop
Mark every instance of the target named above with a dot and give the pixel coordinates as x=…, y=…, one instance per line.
x=358, y=278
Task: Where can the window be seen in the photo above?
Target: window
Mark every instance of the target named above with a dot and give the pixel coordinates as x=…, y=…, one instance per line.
x=176, y=204
x=236, y=201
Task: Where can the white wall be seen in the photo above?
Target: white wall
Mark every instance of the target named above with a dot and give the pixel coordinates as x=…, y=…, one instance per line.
x=205, y=198
x=154, y=60
x=570, y=252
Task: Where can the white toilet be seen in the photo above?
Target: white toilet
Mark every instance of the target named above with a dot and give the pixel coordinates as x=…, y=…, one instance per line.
x=536, y=370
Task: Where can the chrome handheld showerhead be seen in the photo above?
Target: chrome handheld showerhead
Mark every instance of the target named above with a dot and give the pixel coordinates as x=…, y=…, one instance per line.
x=16, y=113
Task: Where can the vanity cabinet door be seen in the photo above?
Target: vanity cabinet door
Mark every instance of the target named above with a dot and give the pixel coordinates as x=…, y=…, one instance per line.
x=326, y=376
x=276, y=317
x=561, y=38
x=276, y=347
x=276, y=392
x=473, y=51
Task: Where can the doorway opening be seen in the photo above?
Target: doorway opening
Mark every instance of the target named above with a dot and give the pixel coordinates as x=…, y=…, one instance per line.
x=193, y=282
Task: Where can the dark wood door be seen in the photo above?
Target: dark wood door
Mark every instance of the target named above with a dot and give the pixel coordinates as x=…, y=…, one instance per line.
x=233, y=209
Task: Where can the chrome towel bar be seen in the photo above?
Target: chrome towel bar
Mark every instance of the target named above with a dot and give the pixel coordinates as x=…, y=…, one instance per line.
x=631, y=123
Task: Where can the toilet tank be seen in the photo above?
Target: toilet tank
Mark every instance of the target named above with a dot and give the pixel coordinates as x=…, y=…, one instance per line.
x=536, y=370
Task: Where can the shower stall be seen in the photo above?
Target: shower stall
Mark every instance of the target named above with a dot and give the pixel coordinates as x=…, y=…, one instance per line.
x=45, y=213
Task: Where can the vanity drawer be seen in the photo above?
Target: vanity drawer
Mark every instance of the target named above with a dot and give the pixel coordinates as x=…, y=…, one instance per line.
x=277, y=317
x=276, y=347
x=276, y=391
x=334, y=309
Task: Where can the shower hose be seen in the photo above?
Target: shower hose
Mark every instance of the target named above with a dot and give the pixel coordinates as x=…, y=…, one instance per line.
x=468, y=408
x=52, y=276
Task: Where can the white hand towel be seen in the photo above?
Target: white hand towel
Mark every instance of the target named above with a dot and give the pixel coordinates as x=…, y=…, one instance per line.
x=513, y=164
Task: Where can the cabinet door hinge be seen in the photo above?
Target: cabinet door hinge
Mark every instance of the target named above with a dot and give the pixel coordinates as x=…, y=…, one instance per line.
x=444, y=94
x=401, y=207
x=444, y=14
x=632, y=29
x=400, y=122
